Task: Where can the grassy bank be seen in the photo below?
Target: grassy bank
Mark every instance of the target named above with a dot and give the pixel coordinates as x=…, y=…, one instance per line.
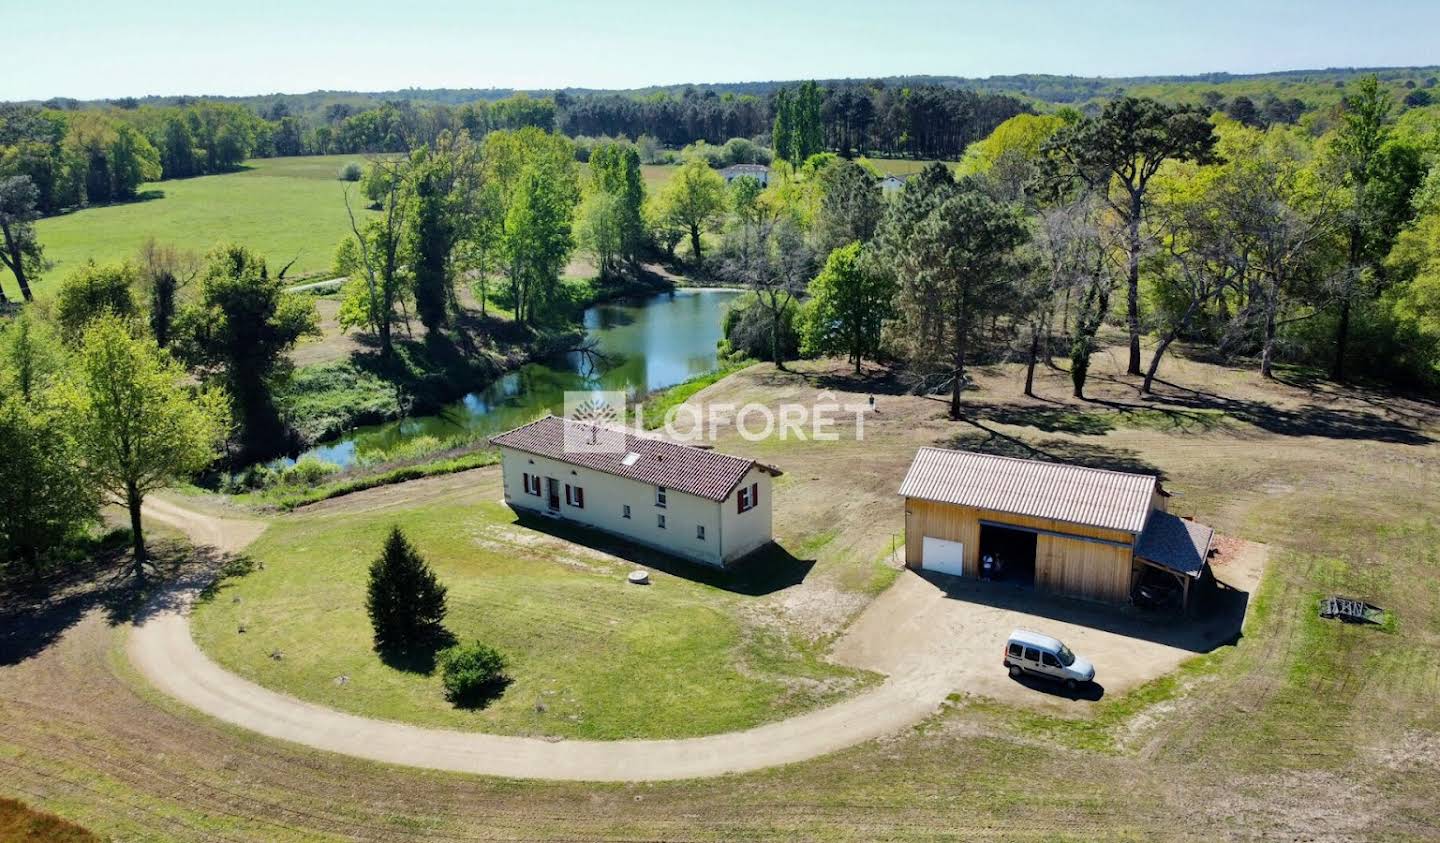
x=433, y=457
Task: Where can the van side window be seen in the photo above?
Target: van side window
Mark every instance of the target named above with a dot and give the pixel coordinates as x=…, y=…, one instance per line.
x=1015, y=649
x=1049, y=660
x=1032, y=654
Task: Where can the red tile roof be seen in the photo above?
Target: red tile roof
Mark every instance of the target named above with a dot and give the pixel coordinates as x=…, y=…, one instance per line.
x=685, y=468
x=1093, y=497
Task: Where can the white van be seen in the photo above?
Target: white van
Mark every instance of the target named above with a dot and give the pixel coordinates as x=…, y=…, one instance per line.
x=1041, y=655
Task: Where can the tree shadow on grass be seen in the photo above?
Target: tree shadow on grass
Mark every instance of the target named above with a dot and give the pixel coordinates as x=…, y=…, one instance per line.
x=873, y=379
x=1057, y=419
x=1307, y=420
x=764, y=571
x=419, y=657
x=987, y=440
x=36, y=614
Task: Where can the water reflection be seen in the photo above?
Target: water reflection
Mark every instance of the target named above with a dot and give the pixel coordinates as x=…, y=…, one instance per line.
x=647, y=344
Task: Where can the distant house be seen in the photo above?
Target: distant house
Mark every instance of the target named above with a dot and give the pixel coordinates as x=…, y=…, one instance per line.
x=1066, y=528
x=758, y=172
x=692, y=502
x=891, y=184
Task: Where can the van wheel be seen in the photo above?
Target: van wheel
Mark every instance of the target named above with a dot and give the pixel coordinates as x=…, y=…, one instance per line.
x=1071, y=685
x=1015, y=671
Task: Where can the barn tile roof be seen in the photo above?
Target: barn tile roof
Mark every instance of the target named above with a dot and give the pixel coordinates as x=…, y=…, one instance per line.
x=1175, y=543
x=1092, y=497
x=658, y=462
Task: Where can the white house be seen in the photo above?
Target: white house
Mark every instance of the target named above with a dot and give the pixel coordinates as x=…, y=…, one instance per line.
x=758, y=172
x=691, y=502
x=892, y=184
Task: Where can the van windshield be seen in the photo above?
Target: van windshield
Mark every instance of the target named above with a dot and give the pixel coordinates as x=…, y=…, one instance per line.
x=1067, y=658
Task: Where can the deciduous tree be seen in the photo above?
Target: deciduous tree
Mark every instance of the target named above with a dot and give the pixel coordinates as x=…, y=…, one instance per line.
x=849, y=302
x=93, y=291
x=137, y=426
x=21, y=252
x=238, y=333
x=694, y=199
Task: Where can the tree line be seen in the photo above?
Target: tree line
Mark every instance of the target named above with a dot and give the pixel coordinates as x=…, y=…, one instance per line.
x=1280, y=244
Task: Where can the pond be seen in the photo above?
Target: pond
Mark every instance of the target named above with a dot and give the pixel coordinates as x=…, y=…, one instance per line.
x=647, y=344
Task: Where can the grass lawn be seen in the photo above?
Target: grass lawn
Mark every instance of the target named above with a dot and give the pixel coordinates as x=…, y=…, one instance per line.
x=592, y=656
x=280, y=207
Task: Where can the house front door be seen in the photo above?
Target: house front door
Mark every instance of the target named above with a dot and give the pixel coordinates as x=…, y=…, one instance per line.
x=552, y=494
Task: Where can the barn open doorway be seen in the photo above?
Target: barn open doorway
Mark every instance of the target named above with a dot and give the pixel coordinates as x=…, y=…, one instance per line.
x=1012, y=552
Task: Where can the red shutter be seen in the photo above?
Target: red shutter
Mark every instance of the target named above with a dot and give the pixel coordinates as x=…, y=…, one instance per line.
x=579, y=497
x=740, y=499
x=754, y=494
x=526, y=475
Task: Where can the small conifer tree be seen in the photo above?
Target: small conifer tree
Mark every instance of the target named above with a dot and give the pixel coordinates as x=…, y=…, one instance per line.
x=405, y=601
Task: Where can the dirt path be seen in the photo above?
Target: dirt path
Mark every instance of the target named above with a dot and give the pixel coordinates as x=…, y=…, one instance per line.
x=225, y=534
x=162, y=648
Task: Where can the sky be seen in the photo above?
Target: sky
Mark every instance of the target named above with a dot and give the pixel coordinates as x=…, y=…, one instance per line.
x=94, y=50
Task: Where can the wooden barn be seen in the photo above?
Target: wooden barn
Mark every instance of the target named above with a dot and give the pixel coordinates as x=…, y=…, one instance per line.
x=1065, y=528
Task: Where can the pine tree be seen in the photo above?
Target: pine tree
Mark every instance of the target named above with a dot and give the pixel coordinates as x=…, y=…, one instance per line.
x=405, y=601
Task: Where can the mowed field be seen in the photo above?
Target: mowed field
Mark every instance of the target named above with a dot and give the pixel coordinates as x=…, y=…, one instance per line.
x=1303, y=729
x=283, y=208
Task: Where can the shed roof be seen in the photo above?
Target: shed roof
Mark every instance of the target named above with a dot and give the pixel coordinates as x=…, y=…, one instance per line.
x=1175, y=543
x=658, y=462
x=1113, y=500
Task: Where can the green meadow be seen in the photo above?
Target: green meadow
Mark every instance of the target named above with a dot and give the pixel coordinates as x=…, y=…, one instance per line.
x=283, y=208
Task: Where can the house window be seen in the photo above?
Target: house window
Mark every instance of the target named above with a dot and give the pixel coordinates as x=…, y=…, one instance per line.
x=660, y=521
x=700, y=532
x=747, y=498
x=625, y=511
x=660, y=496
x=532, y=484
x=575, y=496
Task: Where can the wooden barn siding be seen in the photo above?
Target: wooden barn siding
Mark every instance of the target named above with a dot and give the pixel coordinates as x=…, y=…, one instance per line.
x=1086, y=569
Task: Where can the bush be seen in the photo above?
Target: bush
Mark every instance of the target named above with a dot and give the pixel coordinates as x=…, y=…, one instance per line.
x=351, y=172
x=308, y=472
x=405, y=601
x=472, y=674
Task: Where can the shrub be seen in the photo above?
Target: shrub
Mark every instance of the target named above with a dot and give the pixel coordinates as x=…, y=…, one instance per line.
x=351, y=172
x=472, y=674
x=405, y=601
x=308, y=472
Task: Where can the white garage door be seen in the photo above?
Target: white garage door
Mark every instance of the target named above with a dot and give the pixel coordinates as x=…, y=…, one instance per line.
x=944, y=556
